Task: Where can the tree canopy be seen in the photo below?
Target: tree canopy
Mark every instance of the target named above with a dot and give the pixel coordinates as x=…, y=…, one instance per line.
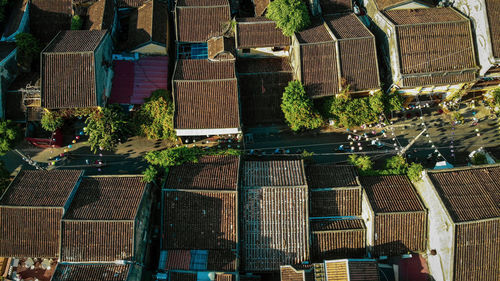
x=155, y=119
x=106, y=127
x=290, y=15
x=51, y=121
x=298, y=108
x=9, y=134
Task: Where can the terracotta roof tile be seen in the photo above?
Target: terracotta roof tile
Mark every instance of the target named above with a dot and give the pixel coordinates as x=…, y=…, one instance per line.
x=130, y=3
x=224, y=277
x=289, y=273
x=400, y=233
x=442, y=78
x=320, y=74
x=327, y=176
x=333, y=225
x=182, y=276
x=388, y=4
x=222, y=260
x=471, y=194
x=259, y=32
x=338, y=239
x=75, y=41
x=204, y=70
x=148, y=23
x=275, y=230
x=336, y=202
x=260, y=6
x=41, y=188
x=221, y=48
x=262, y=65
x=101, y=15
x=423, y=16
x=206, y=104
x=59, y=12
x=210, y=172
x=200, y=220
x=199, y=23
x=273, y=173
x=91, y=272
x=30, y=232
x=391, y=194
x=493, y=13
x=104, y=241
x=315, y=33
x=352, y=270
x=347, y=26
x=335, y=6
x=107, y=198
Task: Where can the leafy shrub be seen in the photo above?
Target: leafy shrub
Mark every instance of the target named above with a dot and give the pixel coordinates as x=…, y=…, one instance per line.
x=155, y=119
x=51, y=121
x=298, y=108
x=76, y=22
x=415, y=172
x=479, y=159
x=106, y=127
x=290, y=15
x=394, y=102
x=363, y=163
x=28, y=47
x=397, y=164
x=9, y=134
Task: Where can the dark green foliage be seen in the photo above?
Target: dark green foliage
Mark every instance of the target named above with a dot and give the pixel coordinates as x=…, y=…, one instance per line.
x=106, y=128
x=394, y=102
x=496, y=96
x=397, y=164
x=51, y=121
x=415, y=172
x=3, y=10
x=9, y=134
x=4, y=178
x=479, y=159
x=76, y=22
x=290, y=15
x=298, y=108
x=155, y=119
x=363, y=163
x=28, y=45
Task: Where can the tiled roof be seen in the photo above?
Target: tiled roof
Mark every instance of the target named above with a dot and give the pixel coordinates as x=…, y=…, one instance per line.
x=273, y=173
x=315, y=33
x=493, y=13
x=75, y=41
x=130, y=3
x=338, y=239
x=388, y=194
x=206, y=104
x=204, y=70
x=101, y=15
x=104, y=241
x=400, y=233
x=221, y=48
x=59, y=12
x=335, y=6
x=148, y=23
x=435, y=40
x=107, y=198
x=469, y=194
x=387, y=4
x=182, y=276
x=289, y=273
x=347, y=26
x=222, y=260
x=30, y=232
x=262, y=82
x=328, y=176
x=320, y=74
x=259, y=33
x=352, y=270
x=442, y=78
x=260, y=6
x=91, y=272
x=210, y=172
x=198, y=23
x=200, y=220
x=36, y=188
x=224, y=277
x=338, y=202
x=275, y=227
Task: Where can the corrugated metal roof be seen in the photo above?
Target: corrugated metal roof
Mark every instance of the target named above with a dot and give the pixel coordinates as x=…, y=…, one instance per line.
x=107, y=198
x=91, y=272
x=470, y=194
x=210, y=172
x=273, y=173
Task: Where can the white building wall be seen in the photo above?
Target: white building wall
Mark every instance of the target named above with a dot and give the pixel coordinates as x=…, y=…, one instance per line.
x=441, y=232
x=369, y=217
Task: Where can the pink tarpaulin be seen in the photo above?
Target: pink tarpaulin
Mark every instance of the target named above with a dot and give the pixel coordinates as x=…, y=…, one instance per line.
x=135, y=80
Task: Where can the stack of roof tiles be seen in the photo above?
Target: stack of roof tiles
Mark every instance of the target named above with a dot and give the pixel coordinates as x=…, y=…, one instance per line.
x=31, y=211
x=336, y=53
x=472, y=200
x=200, y=215
x=205, y=95
x=400, y=218
x=275, y=215
x=69, y=69
x=259, y=32
x=335, y=200
x=435, y=46
x=199, y=20
x=262, y=82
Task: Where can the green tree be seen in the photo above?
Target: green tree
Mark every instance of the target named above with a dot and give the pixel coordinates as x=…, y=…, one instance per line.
x=290, y=15
x=155, y=119
x=377, y=102
x=76, y=22
x=28, y=49
x=4, y=178
x=397, y=164
x=51, y=121
x=394, y=102
x=106, y=127
x=9, y=134
x=298, y=108
x=479, y=159
x=415, y=172
x=363, y=163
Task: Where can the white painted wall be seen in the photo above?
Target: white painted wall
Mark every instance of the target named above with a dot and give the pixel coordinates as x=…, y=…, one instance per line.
x=441, y=231
x=207, y=132
x=369, y=217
